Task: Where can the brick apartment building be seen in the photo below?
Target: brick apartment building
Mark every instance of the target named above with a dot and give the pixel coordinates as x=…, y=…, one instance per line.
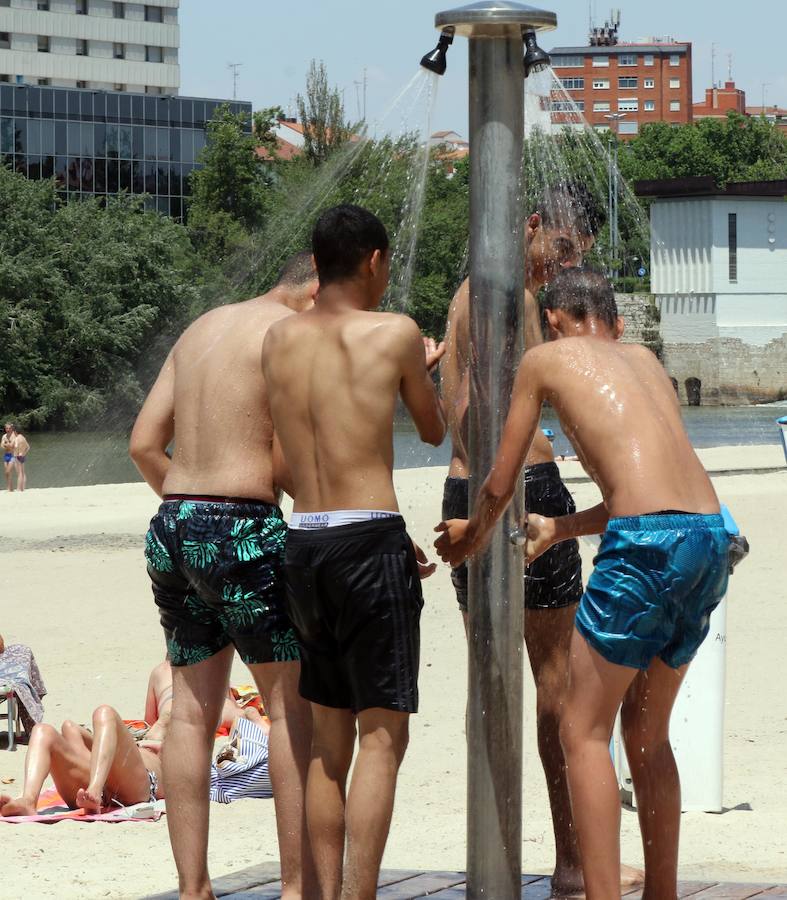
x=624, y=86
x=719, y=101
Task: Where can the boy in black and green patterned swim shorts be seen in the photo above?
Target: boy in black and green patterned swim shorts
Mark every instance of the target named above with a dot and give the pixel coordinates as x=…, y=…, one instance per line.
x=217, y=570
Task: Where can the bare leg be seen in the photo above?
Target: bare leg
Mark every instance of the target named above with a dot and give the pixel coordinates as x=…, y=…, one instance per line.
x=288, y=748
x=548, y=638
x=8, y=469
x=383, y=737
x=199, y=693
x=595, y=691
x=333, y=742
x=115, y=763
x=645, y=719
x=21, y=476
x=49, y=752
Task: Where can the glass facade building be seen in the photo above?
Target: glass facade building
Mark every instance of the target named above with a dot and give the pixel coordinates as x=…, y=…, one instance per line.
x=97, y=143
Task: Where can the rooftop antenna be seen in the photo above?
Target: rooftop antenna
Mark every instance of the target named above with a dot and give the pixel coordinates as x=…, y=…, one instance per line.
x=713, y=65
x=729, y=67
x=363, y=83
x=235, y=76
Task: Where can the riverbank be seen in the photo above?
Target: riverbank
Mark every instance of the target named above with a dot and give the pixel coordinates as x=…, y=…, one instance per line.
x=77, y=592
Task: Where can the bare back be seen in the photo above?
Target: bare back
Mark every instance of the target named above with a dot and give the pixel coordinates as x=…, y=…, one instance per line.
x=619, y=410
x=223, y=427
x=455, y=379
x=333, y=379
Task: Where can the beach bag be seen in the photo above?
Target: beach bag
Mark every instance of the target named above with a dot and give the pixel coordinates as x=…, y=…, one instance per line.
x=241, y=766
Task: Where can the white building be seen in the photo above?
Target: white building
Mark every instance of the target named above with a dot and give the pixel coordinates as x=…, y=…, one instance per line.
x=96, y=44
x=719, y=275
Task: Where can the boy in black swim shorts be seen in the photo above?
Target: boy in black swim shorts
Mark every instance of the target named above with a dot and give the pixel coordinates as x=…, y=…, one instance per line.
x=334, y=375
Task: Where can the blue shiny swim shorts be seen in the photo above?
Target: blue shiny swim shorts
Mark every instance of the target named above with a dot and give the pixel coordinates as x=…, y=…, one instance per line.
x=656, y=580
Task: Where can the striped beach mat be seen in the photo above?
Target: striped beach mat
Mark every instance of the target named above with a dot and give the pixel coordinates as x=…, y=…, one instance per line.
x=241, y=767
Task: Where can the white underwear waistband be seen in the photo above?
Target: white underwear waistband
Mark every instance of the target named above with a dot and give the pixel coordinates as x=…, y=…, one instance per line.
x=337, y=517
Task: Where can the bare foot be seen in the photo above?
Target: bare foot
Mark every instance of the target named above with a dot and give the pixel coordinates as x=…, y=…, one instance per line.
x=89, y=800
x=631, y=877
x=568, y=883
x=18, y=807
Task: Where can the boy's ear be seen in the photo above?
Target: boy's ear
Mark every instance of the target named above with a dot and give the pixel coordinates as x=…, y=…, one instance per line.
x=532, y=225
x=553, y=321
x=375, y=261
x=620, y=327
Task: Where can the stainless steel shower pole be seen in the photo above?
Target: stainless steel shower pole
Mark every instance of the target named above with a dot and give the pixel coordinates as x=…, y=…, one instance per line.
x=494, y=722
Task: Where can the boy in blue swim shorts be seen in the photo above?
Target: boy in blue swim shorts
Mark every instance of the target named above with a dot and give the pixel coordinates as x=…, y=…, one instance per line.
x=661, y=569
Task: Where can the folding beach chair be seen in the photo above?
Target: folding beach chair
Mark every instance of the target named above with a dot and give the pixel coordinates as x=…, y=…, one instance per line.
x=10, y=713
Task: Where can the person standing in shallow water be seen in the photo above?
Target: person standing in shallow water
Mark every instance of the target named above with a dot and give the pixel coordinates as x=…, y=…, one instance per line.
x=661, y=569
x=334, y=375
x=215, y=554
x=8, y=446
x=21, y=449
x=559, y=231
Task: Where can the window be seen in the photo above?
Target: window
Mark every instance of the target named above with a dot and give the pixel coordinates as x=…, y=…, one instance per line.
x=573, y=84
x=81, y=84
x=732, y=234
x=567, y=62
x=43, y=43
x=601, y=84
x=627, y=82
x=119, y=51
x=647, y=59
x=82, y=7
x=649, y=83
x=5, y=78
x=5, y=40
x=154, y=54
x=674, y=105
x=44, y=82
x=118, y=87
x=43, y=5
x=154, y=14
x=5, y=2
x=81, y=47
x=601, y=106
x=674, y=83
x=627, y=59
x=650, y=105
x=628, y=127
x=601, y=128
x=567, y=106
x=628, y=104
x=600, y=61
x=674, y=59
x=118, y=10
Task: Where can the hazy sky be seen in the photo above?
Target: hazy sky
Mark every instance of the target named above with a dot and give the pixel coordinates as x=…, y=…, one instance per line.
x=275, y=41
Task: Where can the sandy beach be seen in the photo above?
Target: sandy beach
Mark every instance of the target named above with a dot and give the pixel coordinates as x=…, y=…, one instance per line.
x=76, y=591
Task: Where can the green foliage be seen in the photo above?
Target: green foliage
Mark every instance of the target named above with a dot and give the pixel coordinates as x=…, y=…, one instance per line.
x=321, y=111
x=263, y=123
x=229, y=191
x=85, y=292
x=738, y=148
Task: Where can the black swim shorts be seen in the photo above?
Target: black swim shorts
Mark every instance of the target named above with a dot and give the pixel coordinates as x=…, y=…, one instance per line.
x=554, y=580
x=217, y=569
x=354, y=596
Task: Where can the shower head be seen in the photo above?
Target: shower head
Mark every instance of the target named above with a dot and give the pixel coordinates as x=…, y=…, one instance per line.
x=436, y=60
x=536, y=59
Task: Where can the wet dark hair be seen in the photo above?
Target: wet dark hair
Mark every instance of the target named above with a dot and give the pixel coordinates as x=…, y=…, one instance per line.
x=343, y=236
x=297, y=271
x=569, y=203
x=583, y=293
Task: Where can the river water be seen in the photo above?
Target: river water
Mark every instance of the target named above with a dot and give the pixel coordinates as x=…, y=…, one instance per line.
x=71, y=459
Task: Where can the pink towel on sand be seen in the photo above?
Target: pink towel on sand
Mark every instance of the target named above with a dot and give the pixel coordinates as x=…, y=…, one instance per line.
x=52, y=808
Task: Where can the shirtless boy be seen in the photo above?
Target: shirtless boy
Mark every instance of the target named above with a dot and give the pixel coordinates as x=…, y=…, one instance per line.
x=334, y=375
x=660, y=571
x=90, y=771
x=215, y=555
x=21, y=449
x=8, y=446
x=557, y=234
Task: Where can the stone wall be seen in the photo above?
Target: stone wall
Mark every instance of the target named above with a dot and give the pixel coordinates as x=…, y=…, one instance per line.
x=731, y=372
x=642, y=319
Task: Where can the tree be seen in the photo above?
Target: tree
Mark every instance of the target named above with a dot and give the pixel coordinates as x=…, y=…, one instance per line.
x=263, y=123
x=322, y=115
x=91, y=299
x=229, y=191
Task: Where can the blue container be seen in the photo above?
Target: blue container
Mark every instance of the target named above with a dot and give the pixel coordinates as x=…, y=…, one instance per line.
x=782, y=423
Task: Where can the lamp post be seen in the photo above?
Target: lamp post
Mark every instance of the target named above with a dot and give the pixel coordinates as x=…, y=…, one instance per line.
x=612, y=191
x=502, y=49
